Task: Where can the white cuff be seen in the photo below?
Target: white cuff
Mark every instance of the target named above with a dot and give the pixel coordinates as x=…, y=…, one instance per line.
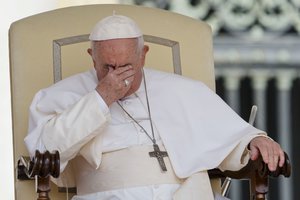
x=104, y=108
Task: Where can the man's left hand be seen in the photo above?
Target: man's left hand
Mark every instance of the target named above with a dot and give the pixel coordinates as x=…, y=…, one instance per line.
x=271, y=152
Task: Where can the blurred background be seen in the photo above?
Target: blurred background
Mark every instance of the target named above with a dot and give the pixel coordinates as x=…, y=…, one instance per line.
x=257, y=60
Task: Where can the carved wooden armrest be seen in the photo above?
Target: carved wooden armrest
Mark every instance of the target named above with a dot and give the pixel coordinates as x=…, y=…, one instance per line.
x=40, y=168
x=258, y=173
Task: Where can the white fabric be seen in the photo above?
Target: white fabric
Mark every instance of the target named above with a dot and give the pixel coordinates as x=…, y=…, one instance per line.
x=115, y=27
x=125, y=168
x=194, y=124
x=151, y=192
x=219, y=197
x=190, y=188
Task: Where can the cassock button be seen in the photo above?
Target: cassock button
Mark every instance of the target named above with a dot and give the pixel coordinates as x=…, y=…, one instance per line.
x=127, y=102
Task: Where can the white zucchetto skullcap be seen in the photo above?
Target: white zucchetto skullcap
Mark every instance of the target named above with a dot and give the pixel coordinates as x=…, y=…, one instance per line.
x=115, y=27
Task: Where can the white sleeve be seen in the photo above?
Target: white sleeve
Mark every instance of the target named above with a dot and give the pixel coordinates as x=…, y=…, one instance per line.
x=240, y=156
x=67, y=131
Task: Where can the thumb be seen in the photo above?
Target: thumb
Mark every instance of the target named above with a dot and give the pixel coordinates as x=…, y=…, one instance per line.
x=110, y=69
x=254, y=152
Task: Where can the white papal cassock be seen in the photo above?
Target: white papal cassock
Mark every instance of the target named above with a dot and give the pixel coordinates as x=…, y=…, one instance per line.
x=198, y=130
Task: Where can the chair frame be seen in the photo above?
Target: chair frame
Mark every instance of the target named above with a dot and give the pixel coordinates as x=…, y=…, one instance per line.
x=44, y=165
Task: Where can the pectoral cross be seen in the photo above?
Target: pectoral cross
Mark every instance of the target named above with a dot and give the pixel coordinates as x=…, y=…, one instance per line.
x=160, y=156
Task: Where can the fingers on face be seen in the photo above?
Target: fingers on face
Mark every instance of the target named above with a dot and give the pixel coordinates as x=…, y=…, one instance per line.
x=122, y=70
x=124, y=73
x=127, y=82
x=119, y=75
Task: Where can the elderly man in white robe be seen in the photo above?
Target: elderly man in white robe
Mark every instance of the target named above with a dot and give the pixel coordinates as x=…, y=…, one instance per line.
x=135, y=133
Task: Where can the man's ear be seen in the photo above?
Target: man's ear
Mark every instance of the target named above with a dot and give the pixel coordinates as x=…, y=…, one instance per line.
x=145, y=50
x=90, y=51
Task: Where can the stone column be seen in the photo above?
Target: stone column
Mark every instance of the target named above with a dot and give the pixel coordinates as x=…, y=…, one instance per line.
x=260, y=78
x=284, y=80
x=232, y=84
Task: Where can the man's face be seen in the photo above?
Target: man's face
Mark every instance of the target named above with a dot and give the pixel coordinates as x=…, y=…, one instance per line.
x=118, y=53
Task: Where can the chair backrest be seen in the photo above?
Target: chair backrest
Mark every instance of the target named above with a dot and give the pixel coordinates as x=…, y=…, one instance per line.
x=47, y=47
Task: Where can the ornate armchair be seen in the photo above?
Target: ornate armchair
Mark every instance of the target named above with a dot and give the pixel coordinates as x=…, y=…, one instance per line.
x=50, y=46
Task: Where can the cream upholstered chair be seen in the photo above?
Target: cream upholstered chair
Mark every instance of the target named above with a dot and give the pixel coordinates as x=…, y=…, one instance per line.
x=50, y=46
x=47, y=47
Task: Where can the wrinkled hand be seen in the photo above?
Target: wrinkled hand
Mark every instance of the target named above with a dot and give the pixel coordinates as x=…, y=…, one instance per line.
x=271, y=152
x=112, y=87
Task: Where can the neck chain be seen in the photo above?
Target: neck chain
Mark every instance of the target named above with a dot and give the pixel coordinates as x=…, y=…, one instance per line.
x=149, y=115
x=156, y=153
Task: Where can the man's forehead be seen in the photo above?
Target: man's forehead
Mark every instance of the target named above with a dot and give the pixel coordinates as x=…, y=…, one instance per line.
x=118, y=43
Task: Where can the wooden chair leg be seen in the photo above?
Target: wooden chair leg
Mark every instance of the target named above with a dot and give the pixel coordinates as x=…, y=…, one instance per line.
x=41, y=167
x=259, y=186
x=43, y=188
